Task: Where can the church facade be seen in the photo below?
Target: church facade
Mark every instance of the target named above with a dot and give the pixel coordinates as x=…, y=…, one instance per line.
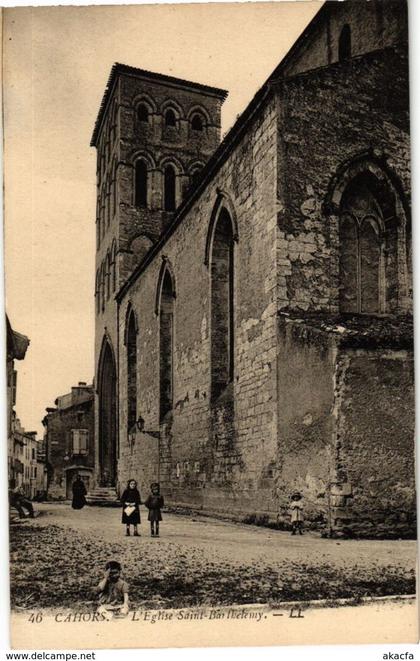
x=254, y=296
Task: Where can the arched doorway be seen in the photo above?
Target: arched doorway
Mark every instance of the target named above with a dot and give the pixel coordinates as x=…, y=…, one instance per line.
x=107, y=380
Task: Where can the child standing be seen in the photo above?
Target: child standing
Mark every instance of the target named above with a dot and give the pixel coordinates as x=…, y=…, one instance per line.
x=154, y=504
x=112, y=591
x=131, y=507
x=296, y=507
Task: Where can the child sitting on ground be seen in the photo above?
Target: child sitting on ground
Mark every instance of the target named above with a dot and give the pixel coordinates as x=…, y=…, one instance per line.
x=296, y=507
x=154, y=504
x=112, y=591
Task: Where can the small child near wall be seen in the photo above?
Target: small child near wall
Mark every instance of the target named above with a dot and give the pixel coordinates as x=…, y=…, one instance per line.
x=296, y=508
x=154, y=504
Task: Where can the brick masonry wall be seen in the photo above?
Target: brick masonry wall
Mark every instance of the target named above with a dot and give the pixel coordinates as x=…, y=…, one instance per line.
x=216, y=456
x=327, y=117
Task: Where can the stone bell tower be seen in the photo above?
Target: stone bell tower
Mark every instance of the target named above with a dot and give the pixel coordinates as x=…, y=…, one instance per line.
x=153, y=136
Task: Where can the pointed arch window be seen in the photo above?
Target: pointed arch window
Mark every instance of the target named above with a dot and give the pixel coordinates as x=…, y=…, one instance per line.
x=197, y=123
x=114, y=266
x=362, y=268
x=108, y=275
x=131, y=346
x=166, y=327
x=170, y=118
x=103, y=286
x=143, y=113
x=98, y=227
x=113, y=190
x=195, y=174
x=169, y=186
x=98, y=291
x=141, y=184
x=344, y=44
x=222, y=304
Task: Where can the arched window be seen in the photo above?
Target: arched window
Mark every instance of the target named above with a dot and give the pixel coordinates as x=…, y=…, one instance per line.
x=108, y=202
x=169, y=188
x=114, y=265
x=222, y=312
x=197, y=123
x=139, y=246
x=195, y=175
x=131, y=344
x=143, y=113
x=98, y=291
x=103, y=286
x=108, y=275
x=98, y=226
x=170, y=118
x=362, y=237
x=113, y=190
x=103, y=212
x=141, y=184
x=344, y=44
x=166, y=324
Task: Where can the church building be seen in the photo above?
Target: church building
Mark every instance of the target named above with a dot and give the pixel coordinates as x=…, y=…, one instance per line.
x=254, y=295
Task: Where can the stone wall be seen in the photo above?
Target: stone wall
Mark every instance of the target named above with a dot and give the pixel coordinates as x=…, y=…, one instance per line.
x=59, y=426
x=216, y=455
x=373, y=25
x=327, y=118
x=139, y=460
x=158, y=145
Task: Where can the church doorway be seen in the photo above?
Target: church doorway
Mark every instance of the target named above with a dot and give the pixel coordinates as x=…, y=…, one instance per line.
x=107, y=417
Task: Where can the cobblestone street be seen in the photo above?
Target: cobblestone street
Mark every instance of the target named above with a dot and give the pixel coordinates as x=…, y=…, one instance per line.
x=196, y=561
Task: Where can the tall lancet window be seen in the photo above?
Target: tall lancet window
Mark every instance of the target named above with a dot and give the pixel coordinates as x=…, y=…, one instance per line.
x=222, y=310
x=166, y=324
x=362, y=237
x=131, y=346
x=169, y=185
x=141, y=184
x=344, y=44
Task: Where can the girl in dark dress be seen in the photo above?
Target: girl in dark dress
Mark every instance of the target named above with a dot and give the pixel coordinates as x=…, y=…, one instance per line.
x=154, y=504
x=130, y=500
x=79, y=494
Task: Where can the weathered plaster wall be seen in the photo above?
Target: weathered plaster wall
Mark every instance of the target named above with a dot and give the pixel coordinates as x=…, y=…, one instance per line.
x=220, y=455
x=375, y=431
x=306, y=362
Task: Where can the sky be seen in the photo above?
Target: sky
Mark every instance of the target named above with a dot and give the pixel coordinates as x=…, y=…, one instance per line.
x=56, y=65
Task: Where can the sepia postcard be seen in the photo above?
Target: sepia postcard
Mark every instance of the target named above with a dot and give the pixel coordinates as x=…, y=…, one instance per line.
x=210, y=369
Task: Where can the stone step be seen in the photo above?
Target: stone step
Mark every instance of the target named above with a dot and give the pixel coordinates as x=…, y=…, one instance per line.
x=103, y=497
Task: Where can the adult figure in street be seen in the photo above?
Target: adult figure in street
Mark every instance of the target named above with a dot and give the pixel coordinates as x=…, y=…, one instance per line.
x=131, y=502
x=20, y=503
x=79, y=493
